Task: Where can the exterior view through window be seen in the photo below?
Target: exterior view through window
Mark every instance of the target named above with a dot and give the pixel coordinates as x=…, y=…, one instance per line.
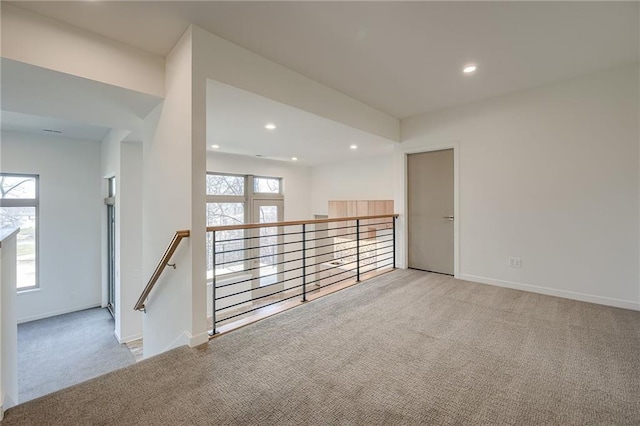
x=19, y=208
x=236, y=200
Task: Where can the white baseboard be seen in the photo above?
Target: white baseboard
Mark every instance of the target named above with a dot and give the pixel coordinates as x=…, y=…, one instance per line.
x=583, y=297
x=60, y=312
x=127, y=339
x=199, y=339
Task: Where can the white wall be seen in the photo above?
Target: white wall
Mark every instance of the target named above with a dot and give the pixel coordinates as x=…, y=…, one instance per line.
x=297, y=179
x=70, y=228
x=174, y=167
x=369, y=178
x=8, y=325
x=124, y=162
x=129, y=322
x=36, y=40
x=549, y=175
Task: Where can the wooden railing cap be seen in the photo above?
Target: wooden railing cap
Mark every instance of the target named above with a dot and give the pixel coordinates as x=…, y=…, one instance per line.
x=298, y=222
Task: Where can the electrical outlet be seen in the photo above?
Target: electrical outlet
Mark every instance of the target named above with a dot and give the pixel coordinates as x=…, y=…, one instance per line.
x=515, y=262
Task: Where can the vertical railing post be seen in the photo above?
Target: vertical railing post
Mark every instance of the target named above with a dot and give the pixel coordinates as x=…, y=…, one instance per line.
x=213, y=283
x=358, y=250
x=304, y=262
x=394, y=241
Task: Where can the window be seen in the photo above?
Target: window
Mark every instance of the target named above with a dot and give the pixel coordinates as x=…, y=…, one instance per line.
x=226, y=206
x=262, y=185
x=225, y=185
x=230, y=201
x=19, y=208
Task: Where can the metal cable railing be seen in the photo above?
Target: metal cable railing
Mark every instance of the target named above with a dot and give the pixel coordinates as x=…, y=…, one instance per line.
x=260, y=265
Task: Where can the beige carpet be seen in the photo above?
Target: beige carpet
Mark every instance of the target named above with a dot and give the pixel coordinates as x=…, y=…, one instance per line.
x=405, y=348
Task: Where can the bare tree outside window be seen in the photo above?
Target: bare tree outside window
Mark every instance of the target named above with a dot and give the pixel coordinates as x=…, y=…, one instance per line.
x=225, y=185
x=229, y=202
x=19, y=208
x=266, y=185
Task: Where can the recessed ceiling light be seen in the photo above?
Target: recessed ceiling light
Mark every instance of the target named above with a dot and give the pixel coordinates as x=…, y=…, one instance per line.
x=468, y=69
x=270, y=126
x=354, y=146
x=215, y=146
x=294, y=158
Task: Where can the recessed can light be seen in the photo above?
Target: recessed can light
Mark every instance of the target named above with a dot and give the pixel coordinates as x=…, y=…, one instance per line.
x=294, y=158
x=215, y=146
x=468, y=69
x=354, y=146
x=270, y=126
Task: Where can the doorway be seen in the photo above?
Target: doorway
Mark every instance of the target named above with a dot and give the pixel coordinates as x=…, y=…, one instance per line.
x=430, y=207
x=110, y=201
x=268, y=265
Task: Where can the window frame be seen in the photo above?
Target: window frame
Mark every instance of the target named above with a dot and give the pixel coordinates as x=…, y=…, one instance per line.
x=250, y=195
x=266, y=195
x=28, y=202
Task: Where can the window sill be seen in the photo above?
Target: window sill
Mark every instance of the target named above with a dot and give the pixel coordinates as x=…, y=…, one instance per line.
x=28, y=290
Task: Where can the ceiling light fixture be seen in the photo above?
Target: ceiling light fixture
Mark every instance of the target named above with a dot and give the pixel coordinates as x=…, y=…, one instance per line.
x=215, y=146
x=354, y=146
x=468, y=69
x=270, y=126
x=294, y=158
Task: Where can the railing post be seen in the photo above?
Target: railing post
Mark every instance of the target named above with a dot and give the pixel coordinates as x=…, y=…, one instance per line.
x=394, y=242
x=304, y=262
x=213, y=282
x=358, y=250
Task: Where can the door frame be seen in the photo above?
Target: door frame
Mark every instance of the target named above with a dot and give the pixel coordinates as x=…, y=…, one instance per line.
x=111, y=251
x=456, y=198
x=259, y=291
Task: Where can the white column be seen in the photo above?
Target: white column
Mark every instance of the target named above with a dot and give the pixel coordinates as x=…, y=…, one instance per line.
x=8, y=321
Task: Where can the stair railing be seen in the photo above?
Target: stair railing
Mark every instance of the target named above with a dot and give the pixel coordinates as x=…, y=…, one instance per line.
x=164, y=262
x=253, y=266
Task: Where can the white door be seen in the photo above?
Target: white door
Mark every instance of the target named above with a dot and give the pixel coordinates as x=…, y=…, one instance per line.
x=430, y=211
x=267, y=265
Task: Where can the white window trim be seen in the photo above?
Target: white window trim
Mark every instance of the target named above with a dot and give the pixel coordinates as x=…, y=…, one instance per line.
x=247, y=199
x=28, y=202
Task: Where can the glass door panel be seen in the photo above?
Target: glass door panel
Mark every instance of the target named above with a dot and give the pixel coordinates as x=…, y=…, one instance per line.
x=111, y=246
x=268, y=263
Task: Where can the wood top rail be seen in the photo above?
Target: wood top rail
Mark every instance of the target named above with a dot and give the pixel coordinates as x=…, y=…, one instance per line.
x=173, y=245
x=297, y=222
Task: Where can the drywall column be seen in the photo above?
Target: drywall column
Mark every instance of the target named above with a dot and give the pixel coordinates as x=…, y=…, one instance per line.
x=8, y=321
x=124, y=162
x=129, y=210
x=173, y=200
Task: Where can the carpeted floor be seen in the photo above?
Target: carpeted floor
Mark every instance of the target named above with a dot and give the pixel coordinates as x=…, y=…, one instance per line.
x=405, y=348
x=58, y=352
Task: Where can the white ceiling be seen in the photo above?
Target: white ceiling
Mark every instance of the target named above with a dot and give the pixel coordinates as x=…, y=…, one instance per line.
x=236, y=120
x=34, y=98
x=404, y=58
x=36, y=125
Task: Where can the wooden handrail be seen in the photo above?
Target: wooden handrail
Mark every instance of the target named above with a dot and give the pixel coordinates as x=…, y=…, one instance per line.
x=164, y=261
x=297, y=222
